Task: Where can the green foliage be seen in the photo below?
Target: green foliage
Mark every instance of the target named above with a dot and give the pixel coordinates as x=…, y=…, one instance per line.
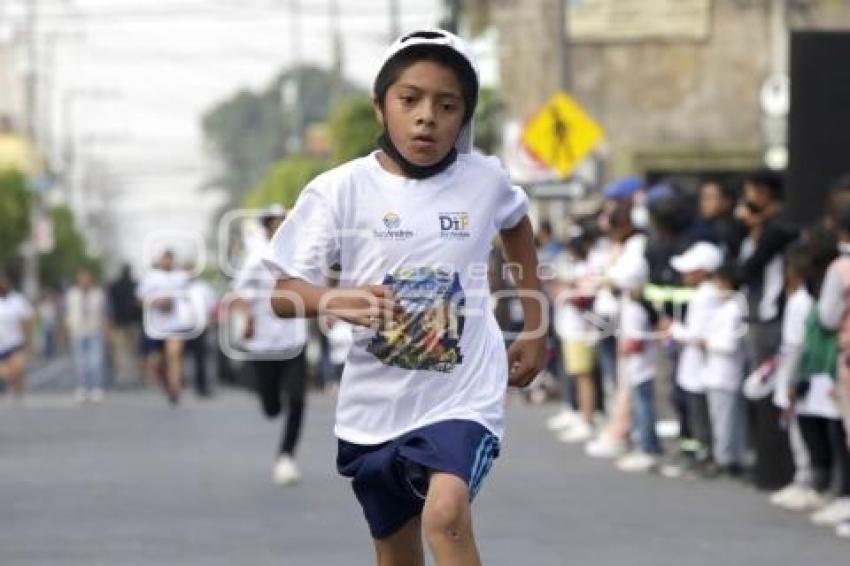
x=283, y=182
x=353, y=128
x=14, y=214
x=489, y=121
x=69, y=252
x=248, y=131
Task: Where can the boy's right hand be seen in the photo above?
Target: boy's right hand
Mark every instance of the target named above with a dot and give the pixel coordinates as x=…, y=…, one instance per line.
x=371, y=305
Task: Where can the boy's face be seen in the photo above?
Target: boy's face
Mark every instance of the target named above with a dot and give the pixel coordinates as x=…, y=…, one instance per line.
x=712, y=203
x=423, y=112
x=694, y=278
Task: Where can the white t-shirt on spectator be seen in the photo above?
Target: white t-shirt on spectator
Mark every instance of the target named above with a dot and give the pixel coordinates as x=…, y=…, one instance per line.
x=272, y=334
x=430, y=241
x=797, y=308
x=14, y=312
x=635, y=324
x=724, y=336
x=571, y=322
x=692, y=360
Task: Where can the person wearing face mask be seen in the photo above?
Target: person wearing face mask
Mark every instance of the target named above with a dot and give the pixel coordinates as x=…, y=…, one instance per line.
x=420, y=411
x=761, y=273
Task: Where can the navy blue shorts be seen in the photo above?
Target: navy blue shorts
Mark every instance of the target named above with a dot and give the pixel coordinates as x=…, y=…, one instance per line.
x=6, y=354
x=390, y=480
x=151, y=345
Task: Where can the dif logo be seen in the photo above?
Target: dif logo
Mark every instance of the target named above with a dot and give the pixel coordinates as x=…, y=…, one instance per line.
x=454, y=225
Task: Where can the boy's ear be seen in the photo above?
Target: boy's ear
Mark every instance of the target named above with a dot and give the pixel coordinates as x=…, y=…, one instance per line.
x=379, y=113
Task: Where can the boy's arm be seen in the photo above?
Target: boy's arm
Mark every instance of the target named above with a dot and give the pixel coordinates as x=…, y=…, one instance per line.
x=527, y=355
x=365, y=306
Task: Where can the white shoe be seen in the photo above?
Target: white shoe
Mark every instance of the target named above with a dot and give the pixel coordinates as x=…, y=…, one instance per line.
x=577, y=433
x=777, y=497
x=285, y=471
x=836, y=512
x=843, y=530
x=81, y=396
x=637, y=462
x=564, y=419
x=96, y=396
x=604, y=447
x=798, y=498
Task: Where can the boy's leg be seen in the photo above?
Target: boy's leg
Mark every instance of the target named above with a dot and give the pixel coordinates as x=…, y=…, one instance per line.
x=447, y=521
x=402, y=548
x=267, y=374
x=174, y=365
x=295, y=385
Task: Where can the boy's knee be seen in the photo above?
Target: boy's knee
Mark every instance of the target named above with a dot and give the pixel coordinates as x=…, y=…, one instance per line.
x=447, y=515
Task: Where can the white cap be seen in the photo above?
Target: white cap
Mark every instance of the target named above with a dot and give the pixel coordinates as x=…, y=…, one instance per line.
x=439, y=37
x=702, y=256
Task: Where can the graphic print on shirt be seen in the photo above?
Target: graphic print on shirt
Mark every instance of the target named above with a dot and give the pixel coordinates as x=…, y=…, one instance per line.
x=427, y=335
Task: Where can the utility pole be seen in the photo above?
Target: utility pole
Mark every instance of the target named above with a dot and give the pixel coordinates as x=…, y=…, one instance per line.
x=564, y=45
x=395, y=20
x=292, y=90
x=336, y=50
x=31, y=271
x=451, y=21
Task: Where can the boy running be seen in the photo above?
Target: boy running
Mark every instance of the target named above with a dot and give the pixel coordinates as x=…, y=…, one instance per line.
x=421, y=403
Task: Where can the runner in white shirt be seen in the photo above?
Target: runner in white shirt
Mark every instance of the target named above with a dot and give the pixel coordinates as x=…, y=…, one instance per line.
x=277, y=349
x=15, y=317
x=164, y=294
x=421, y=404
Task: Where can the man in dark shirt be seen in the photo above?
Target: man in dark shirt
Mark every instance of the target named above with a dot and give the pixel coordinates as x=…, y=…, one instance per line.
x=125, y=317
x=761, y=273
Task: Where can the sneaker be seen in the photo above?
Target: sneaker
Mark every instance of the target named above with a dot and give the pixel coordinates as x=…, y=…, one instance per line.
x=843, y=530
x=777, y=497
x=802, y=499
x=96, y=395
x=564, y=419
x=637, y=462
x=605, y=447
x=580, y=432
x=285, y=471
x=836, y=512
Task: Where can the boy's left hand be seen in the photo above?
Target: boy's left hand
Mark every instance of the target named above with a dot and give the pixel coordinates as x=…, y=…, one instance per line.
x=526, y=358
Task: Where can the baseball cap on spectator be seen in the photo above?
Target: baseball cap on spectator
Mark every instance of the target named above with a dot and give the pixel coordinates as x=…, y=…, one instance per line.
x=623, y=188
x=702, y=256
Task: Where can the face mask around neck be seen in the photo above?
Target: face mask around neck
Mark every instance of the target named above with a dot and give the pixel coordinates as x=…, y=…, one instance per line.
x=411, y=169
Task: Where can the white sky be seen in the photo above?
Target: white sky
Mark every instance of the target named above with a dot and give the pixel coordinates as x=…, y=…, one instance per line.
x=139, y=74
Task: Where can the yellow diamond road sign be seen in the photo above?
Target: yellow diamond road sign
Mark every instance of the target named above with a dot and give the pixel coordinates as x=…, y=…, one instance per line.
x=562, y=134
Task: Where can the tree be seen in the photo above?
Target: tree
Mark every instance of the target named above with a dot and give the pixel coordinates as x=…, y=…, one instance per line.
x=283, y=182
x=69, y=251
x=489, y=121
x=354, y=128
x=249, y=131
x=14, y=214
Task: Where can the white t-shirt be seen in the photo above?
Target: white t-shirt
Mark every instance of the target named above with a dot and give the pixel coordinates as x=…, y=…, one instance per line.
x=430, y=240
x=340, y=339
x=158, y=284
x=571, y=322
x=692, y=360
x=202, y=298
x=724, y=335
x=635, y=324
x=85, y=311
x=271, y=333
x=14, y=312
x=797, y=309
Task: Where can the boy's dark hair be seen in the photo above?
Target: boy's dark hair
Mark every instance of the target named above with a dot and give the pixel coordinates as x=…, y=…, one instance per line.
x=728, y=272
x=579, y=245
x=445, y=56
x=769, y=181
x=841, y=184
x=798, y=260
x=727, y=190
x=844, y=217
